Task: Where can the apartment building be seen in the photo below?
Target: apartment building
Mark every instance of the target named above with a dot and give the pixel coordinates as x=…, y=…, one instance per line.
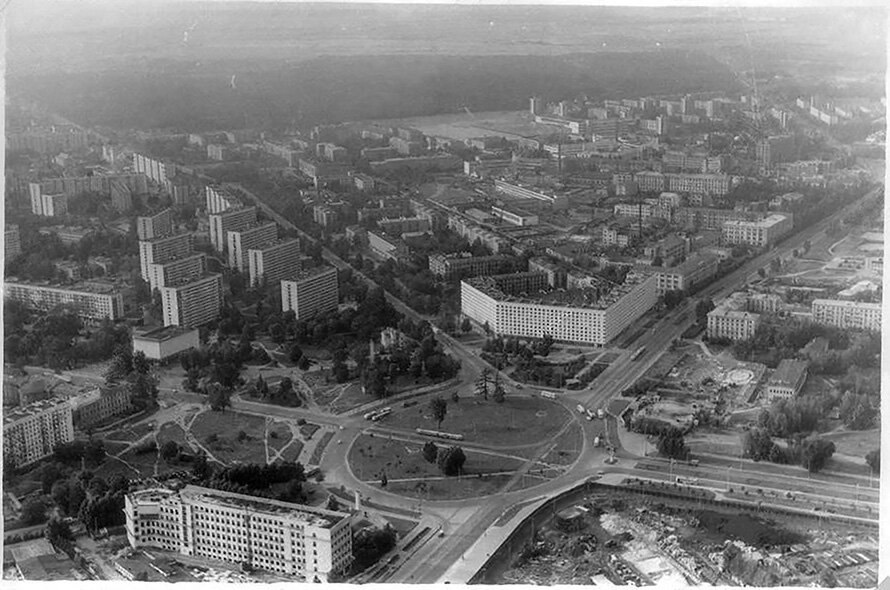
x=230, y=220
x=787, y=380
x=154, y=169
x=154, y=226
x=242, y=240
x=32, y=432
x=161, y=250
x=847, y=314
x=217, y=200
x=731, y=320
x=707, y=218
x=462, y=266
x=403, y=225
x=192, y=303
x=47, y=205
x=93, y=301
x=162, y=343
x=270, y=535
x=274, y=261
x=96, y=406
x=190, y=266
x=312, y=292
x=101, y=183
x=515, y=305
x=687, y=275
x=12, y=244
x=515, y=190
x=775, y=149
x=48, y=141
x=760, y=233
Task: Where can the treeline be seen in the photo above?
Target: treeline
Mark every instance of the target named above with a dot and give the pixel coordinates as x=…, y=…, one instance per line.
x=254, y=479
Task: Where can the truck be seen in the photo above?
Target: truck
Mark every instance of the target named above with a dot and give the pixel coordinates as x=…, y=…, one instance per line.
x=580, y=408
x=600, y=413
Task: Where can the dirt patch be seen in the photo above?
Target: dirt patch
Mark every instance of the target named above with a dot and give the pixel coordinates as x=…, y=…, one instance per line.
x=746, y=528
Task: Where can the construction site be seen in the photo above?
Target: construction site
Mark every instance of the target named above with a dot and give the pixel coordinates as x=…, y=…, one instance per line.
x=618, y=537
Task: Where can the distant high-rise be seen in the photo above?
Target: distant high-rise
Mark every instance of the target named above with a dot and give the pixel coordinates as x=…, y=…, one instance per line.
x=13, y=242
x=274, y=261
x=219, y=200
x=312, y=292
x=34, y=431
x=232, y=220
x=240, y=241
x=192, y=303
x=536, y=105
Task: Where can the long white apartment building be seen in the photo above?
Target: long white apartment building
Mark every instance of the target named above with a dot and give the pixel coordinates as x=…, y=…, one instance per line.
x=312, y=292
x=758, y=233
x=189, y=267
x=32, y=432
x=515, y=190
x=159, y=225
x=274, y=261
x=218, y=199
x=154, y=169
x=161, y=250
x=520, y=305
x=192, y=303
x=231, y=220
x=93, y=301
x=242, y=240
x=847, y=314
x=285, y=538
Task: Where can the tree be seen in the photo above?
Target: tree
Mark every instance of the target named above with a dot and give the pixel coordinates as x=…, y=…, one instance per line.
x=455, y=396
x=430, y=451
x=333, y=504
x=121, y=364
x=703, y=308
x=466, y=325
x=481, y=387
x=815, y=453
x=439, y=408
x=57, y=531
x=33, y=512
x=370, y=544
x=672, y=298
x=219, y=397
x=49, y=475
x=758, y=444
x=451, y=460
x=672, y=443
x=169, y=450
x=873, y=460
x=140, y=363
x=499, y=394
x=201, y=468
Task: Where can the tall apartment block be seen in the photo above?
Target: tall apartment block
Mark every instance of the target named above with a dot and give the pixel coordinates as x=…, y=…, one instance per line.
x=91, y=300
x=240, y=241
x=274, y=261
x=218, y=200
x=161, y=250
x=189, y=267
x=154, y=169
x=231, y=220
x=47, y=205
x=191, y=303
x=32, y=432
x=12, y=244
x=289, y=539
x=312, y=292
x=154, y=226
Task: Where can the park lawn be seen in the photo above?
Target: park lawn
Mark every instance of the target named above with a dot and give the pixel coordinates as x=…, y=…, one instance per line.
x=855, y=443
x=370, y=456
x=113, y=448
x=144, y=463
x=226, y=426
x=351, y=397
x=171, y=431
x=279, y=436
x=308, y=430
x=452, y=488
x=292, y=452
x=518, y=421
x=315, y=459
x=131, y=433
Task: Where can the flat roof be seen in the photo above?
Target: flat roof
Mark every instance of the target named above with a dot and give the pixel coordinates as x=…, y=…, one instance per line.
x=31, y=409
x=788, y=372
x=163, y=333
x=86, y=287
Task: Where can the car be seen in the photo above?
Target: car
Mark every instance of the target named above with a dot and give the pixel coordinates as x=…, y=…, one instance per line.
x=601, y=473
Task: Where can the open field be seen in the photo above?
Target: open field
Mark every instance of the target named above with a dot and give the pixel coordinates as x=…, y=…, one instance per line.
x=227, y=426
x=518, y=421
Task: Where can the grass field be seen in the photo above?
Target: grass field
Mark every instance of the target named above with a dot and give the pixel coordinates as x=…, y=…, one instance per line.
x=131, y=433
x=171, y=431
x=227, y=426
x=567, y=449
x=518, y=421
x=455, y=488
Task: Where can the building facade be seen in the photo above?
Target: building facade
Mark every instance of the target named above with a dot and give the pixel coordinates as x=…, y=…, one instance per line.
x=161, y=250
x=730, y=320
x=242, y=240
x=99, y=405
x=847, y=314
x=154, y=226
x=92, y=301
x=759, y=233
x=451, y=267
x=162, y=343
x=284, y=538
x=192, y=303
x=32, y=432
x=12, y=244
x=230, y=220
x=313, y=292
x=274, y=261
x=191, y=266
x=787, y=380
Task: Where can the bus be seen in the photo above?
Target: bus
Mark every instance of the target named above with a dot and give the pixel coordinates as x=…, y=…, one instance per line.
x=439, y=434
x=548, y=394
x=375, y=415
x=638, y=353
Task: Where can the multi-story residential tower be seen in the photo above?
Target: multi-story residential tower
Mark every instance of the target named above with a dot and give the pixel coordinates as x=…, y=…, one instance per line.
x=32, y=432
x=161, y=250
x=312, y=292
x=190, y=266
x=159, y=225
x=192, y=303
x=274, y=261
x=240, y=241
x=218, y=200
x=230, y=220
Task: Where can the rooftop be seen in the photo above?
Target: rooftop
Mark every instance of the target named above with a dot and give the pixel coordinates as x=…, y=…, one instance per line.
x=788, y=372
x=311, y=272
x=84, y=287
x=163, y=333
x=847, y=304
x=31, y=409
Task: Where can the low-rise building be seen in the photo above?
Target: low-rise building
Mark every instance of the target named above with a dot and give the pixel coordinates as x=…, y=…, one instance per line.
x=93, y=301
x=760, y=233
x=160, y=344
x=731, y=321
x=462, y=266
x=688, y=275
x=100, y=404
x=515, y=215
x=787, y=380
